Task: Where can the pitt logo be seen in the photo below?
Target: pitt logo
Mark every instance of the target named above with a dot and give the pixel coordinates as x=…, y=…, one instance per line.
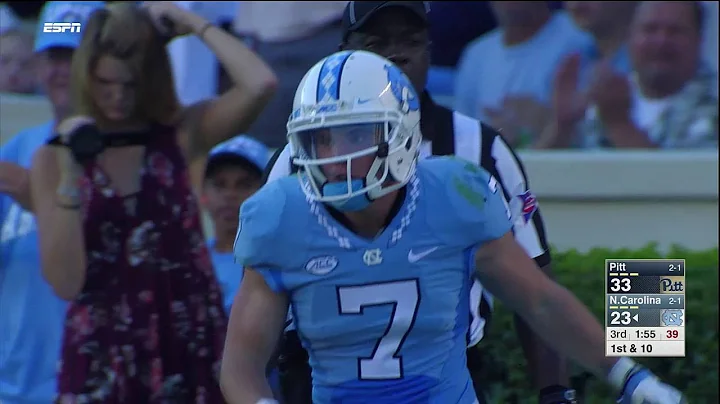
x=672, y=284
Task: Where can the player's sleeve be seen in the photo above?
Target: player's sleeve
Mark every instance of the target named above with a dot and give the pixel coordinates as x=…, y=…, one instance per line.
x=478, y=202
x=498, y=158
x=279, y=165
x=260, y=217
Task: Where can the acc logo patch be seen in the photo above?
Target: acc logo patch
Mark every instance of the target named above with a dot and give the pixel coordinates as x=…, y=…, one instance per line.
x=321, y=265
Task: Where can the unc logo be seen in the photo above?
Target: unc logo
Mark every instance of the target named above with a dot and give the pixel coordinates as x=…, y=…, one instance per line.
x=372, y=257
x=672, y=317
x=402, y=89
x=321, y=265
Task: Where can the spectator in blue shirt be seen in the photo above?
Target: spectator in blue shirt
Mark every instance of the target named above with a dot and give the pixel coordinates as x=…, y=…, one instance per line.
x=505, y=76
x=233, y=172
x=31, y=316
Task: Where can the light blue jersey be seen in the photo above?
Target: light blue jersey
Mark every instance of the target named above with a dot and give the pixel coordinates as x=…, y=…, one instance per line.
x=31, y=316
x=383, y=320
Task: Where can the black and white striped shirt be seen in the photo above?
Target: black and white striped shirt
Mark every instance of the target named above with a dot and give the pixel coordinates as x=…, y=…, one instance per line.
x=482, y=145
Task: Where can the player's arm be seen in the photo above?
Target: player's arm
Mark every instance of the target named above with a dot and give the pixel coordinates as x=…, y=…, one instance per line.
x=563, y=321
x=547, y=369
x=256, y=322
x=260, y=306
x=553, y=313
x=550, y=309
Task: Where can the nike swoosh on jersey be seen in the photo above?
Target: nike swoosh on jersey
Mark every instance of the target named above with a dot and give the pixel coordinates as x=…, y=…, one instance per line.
x=412, y=257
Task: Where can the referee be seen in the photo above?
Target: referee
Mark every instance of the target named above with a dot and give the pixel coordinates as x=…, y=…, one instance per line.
x=398, y=31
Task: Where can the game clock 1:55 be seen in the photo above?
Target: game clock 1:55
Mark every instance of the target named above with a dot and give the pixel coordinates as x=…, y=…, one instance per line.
x=645, y=334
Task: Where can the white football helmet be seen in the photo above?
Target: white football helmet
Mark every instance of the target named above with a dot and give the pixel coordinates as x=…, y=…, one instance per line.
x=350, y=105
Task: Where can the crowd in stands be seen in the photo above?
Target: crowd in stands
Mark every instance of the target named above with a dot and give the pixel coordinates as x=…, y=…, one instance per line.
x=547, y=74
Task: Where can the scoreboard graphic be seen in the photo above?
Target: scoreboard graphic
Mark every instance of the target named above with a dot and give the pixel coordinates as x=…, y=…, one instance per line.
x=645, y=307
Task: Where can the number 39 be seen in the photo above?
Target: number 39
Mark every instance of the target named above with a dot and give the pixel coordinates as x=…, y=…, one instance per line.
x=620, y=284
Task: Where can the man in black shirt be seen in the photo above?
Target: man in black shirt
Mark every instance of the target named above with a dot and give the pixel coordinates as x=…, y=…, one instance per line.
x=398, y=31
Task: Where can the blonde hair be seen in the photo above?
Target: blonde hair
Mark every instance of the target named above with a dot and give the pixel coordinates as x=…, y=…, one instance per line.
x=126, y=32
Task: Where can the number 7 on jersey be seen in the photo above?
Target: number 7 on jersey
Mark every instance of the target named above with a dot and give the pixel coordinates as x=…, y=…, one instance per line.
x=404, y=296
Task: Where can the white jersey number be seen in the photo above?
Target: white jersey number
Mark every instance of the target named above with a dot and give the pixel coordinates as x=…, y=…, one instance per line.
x=404, y=297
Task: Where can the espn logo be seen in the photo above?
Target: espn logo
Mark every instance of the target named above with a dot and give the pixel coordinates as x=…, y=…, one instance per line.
x=62, y=27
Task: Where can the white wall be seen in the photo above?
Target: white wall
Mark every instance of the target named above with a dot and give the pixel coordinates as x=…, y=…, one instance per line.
x=625, y=199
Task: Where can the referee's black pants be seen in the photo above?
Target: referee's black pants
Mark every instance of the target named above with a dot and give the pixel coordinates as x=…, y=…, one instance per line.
x=296, y=381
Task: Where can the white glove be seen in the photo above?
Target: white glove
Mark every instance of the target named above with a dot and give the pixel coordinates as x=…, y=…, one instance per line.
x=638, y=385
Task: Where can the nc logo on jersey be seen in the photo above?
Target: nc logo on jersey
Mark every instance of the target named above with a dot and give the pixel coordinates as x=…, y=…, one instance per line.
x=373, y=257
x=402, y=89
x=321, y=265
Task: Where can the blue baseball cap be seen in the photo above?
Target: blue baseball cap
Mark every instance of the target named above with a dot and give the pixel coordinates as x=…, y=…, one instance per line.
x=63, y=11
x=8, y=19
x=242, y=147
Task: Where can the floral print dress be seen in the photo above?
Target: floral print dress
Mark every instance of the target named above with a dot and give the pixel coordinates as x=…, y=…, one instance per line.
x=148, y=325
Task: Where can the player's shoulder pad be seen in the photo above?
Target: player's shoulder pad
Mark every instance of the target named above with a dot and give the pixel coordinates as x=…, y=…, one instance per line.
x=465, y=184
x=263, y=226
x=469, y=193
x=469, y=186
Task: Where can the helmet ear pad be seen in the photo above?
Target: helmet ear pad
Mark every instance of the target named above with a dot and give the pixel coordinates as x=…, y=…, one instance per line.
x=402, y=162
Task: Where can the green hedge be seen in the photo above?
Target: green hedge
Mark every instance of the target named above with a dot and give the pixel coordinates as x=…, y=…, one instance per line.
x=696, y=374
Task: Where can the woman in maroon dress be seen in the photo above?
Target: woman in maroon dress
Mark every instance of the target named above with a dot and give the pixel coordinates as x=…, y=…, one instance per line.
x=120, y=237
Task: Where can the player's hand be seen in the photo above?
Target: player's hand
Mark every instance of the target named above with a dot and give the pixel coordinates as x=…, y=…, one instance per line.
x=15, y=182
x=642, y=387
